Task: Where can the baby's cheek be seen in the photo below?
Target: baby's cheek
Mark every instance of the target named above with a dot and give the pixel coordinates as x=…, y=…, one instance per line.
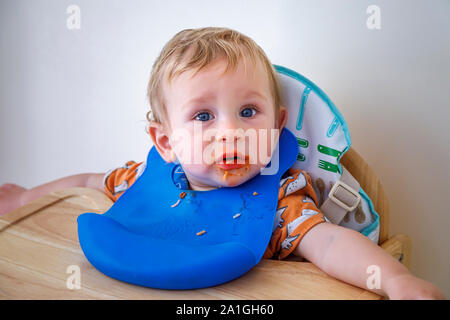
x=199, y=171
x=187, y=147
x=271, y=140
x=261, y=150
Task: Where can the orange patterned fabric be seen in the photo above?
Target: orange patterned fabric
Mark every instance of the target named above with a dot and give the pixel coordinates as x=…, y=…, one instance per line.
x=296, y=214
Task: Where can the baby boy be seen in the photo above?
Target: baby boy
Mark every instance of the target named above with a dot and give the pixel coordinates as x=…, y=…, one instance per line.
x=219, y=81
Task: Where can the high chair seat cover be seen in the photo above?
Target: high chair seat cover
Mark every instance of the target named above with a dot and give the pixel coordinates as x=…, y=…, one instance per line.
x=153, y=237
x=323, y=138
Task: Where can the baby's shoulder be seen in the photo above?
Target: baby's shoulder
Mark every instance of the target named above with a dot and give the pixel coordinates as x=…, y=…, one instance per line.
x=296, y=176
x=297, y=184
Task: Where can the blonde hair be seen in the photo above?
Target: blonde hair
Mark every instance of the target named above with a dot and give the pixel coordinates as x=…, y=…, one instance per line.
x=205, y=46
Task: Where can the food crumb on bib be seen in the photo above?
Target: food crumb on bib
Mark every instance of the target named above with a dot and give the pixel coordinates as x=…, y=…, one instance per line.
x=255, y=193
x=182, y=195
x=237, y=215
x=201, y=232
x=175, y=204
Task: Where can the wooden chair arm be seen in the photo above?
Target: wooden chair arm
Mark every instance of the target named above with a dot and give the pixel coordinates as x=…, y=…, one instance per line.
x=399, y=246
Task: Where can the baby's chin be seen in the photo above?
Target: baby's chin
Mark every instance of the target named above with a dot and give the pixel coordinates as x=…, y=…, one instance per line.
x=219, y=178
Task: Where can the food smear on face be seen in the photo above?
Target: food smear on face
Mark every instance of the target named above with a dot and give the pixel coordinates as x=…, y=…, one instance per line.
x=225, y=174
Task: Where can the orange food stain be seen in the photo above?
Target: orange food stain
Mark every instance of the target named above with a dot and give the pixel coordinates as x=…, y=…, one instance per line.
x=238, y=172
x=225, y=174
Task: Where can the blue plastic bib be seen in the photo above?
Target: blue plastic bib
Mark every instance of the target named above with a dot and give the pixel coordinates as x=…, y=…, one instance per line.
x=209, y=238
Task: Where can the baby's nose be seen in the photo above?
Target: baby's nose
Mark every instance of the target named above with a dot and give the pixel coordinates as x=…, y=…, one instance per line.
x=229, y=134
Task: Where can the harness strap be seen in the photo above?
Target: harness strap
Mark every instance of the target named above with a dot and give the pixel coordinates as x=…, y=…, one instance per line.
x=343, y=198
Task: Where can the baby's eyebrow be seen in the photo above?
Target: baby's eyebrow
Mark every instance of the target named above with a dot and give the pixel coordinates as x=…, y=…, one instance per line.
x=200, y=99
x=209, y=95
x=256, y=93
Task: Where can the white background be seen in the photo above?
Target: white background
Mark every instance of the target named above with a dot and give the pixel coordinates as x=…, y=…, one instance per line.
x=74, y=101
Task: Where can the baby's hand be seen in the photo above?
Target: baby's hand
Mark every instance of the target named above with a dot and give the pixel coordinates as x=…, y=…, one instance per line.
x=409, y=287
x=10, y=195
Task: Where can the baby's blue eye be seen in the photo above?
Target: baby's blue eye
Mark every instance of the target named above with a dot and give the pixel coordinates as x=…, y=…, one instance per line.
x=248, y=112
x=203, y=116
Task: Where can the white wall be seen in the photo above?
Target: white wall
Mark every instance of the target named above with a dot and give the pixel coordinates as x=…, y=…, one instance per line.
x=74, y=101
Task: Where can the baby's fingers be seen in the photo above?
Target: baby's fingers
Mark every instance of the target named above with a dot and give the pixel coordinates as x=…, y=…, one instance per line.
x=10, y=195
x=11, y=187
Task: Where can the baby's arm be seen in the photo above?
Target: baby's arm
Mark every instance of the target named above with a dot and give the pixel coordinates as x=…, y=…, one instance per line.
x=346, y=254
x=13, y=196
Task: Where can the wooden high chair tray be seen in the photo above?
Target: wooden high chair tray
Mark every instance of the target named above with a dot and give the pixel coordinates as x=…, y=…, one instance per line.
x=39, y=242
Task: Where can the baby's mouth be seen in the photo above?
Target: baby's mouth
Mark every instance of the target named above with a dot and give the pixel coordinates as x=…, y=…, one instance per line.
x=235, y=162
x=231, y=166
x=232, y=161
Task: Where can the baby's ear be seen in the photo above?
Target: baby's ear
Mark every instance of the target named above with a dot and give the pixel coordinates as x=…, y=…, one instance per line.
x=282, y=117
x=160, y=138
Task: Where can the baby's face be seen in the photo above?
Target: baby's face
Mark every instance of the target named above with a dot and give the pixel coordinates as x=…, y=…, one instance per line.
x=214, y=118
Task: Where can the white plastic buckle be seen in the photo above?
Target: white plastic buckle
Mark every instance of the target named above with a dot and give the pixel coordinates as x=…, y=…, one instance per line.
x=349, y=190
